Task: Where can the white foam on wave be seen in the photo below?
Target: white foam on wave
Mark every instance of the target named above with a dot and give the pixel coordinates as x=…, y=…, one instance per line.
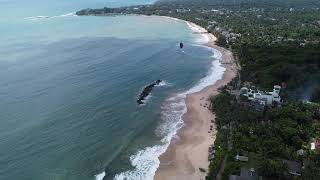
x=163, y=83
x=196, y=28
x=203, y=37
x=36, y=17
x=50, y=17
x=100, y=176
x=215, y=73
x=146, y=161
x=146, y=99
x=171, y=18
x=65, y=15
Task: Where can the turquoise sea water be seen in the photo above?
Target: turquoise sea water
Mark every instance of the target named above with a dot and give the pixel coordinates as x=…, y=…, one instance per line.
x=68, y=89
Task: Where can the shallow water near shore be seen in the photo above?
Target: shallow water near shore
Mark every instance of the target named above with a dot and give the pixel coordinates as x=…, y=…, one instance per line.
x=68, y=88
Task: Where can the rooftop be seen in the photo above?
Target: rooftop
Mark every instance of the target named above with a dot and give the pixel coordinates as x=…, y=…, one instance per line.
x=241, y=158
x=293, y=167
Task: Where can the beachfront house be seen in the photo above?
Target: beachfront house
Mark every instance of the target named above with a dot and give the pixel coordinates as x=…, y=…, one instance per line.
x=260, y=99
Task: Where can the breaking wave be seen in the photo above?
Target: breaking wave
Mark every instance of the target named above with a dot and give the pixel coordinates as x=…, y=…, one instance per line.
x=50, y=17
x=36, y=17
x=147, y=161
x=100, y=176
x=163, y=83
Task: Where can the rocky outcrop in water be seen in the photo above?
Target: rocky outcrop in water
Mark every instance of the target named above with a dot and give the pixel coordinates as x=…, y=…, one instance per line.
x=146, y=91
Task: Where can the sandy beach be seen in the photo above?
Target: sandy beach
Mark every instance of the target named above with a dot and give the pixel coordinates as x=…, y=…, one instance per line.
x=186, y=155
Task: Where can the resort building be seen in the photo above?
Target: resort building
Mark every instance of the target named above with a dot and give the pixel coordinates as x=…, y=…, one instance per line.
x=260, y=99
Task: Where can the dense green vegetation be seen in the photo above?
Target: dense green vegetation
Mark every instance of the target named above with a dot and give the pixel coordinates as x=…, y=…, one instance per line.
x=275, y=42
x=267, y=138
x=279, y=64
x=246, y=3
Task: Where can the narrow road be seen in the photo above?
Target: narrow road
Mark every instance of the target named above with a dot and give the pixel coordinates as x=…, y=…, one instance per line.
x=219, y=175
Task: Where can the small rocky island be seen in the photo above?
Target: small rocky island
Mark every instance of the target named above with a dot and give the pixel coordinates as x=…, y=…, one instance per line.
x=146, y=91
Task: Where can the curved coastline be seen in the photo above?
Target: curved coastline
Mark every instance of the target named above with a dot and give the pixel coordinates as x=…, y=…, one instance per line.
x=186, y=140
x=189, y=152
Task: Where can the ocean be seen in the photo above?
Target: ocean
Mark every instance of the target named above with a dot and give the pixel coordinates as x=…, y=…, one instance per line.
x=69, y=85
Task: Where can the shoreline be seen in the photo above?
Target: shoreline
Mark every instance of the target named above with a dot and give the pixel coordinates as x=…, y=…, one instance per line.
x=185, y=156
x=185, y=148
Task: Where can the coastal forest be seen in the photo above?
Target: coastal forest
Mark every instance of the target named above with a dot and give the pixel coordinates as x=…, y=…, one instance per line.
x=243, y=3
x=276, y=42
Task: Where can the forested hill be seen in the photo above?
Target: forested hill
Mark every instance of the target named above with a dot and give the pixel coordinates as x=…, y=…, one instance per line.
x=253, y=3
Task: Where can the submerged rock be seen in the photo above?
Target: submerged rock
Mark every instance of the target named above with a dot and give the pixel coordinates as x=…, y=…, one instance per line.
x=146, y=91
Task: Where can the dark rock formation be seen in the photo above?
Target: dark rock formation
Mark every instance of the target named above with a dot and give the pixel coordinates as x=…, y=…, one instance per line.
x=202, y=170
x=146, y=91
